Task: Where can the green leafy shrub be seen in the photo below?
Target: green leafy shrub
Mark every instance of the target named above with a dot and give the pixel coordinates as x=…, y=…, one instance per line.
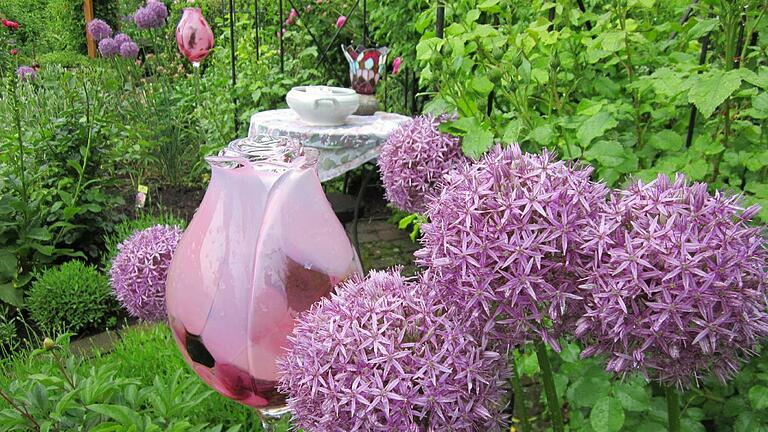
x=66, y=59
x=8, y=335
x=72, y=297
x=126, y=228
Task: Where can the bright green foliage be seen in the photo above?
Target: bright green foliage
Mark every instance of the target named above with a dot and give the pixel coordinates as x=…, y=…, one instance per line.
x=8, y=336
x=126, y=228
x=72, y=297
x=618, y=96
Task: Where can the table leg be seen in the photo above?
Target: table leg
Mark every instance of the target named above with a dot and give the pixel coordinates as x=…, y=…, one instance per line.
x=367, y=174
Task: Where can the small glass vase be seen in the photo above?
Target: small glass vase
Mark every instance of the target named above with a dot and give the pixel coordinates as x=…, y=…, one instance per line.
x=366, y=68
x=263, y=246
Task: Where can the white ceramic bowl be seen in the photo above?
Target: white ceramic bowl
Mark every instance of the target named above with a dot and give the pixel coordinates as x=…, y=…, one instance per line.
x=321, y=105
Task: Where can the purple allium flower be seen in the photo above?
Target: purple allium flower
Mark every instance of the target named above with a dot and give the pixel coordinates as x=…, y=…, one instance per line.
x=122, y=38
x=108, y=48
x=383, y=354
x=139, y=270
x=129, y=50
x=504, y=240
x=679, y=283
x=151, y=16
x=413, y=160
x=26, y=73
x=99, y=29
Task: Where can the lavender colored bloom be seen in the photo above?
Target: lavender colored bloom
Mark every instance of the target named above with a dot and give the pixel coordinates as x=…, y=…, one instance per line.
x=383, y=354
x=679, y=283
x=26, y=73
x=99, y=29
x=151, y=16
x=414, y=159
x=503, y=243
x=129, y=50
x=108, y=48
x=122, y=38
x=140, y=268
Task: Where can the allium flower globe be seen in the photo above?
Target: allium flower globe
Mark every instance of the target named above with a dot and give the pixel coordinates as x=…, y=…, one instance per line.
x=129, y=50
x=140, y=268
x=108, y=48
x=679, y=283
x=151, y=16
x=99, y=29
x=26, y=73
x=414, y=159
x=384, y=355
x=122, y=39
x=503, y=243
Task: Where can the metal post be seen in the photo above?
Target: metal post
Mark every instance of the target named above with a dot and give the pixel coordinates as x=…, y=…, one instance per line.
x=258, y=25
x=440, y=21
x=280, y=36
x=365, y=23
x=233, y=60
x=551, y=18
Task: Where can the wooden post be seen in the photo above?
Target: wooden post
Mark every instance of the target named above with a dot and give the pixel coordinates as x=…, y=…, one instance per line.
x=88, y=12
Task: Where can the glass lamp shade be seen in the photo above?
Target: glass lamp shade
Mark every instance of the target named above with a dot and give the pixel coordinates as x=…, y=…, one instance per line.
x=366, y=66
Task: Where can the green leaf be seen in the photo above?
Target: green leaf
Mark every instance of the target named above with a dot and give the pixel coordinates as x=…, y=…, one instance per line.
x=586, y=391
x=702, y=27
x=8, y=263
x=747, y=421
x=542, y=134
x=476, y=142
x=489, y=6
x=607, y=415
x=11, y=295
x=758, y=397
x=528, y=364
x=712, y=89
x=614, y=41
x=122, y=414
x=608, y=153
x=482, y=85
x=632, y=397
x=512, y=131
x=697, y=169
x=691, y=425
x=666, y=140
x=41, y=234
x=707, y=146
x=595, y=127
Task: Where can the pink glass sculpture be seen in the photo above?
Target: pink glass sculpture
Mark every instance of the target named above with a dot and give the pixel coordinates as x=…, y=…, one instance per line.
x=263, y=246
x=194, y=36
x=366, y=66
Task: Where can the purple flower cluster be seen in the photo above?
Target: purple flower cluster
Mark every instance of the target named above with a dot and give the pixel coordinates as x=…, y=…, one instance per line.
x=26, y=73
x=108, y=48
x=678, y=285
x=99, y=29
x=129, y=50
x=414, y=159
x=122, y=38
x=140, y=268
x=503, y=243
x=151, y=16
x=384, y=354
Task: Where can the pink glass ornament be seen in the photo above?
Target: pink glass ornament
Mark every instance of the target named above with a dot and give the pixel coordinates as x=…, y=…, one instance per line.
x=263, y=246
x=194, y=36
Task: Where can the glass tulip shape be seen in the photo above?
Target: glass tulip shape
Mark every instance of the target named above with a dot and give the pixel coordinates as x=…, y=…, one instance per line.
x=194, y=36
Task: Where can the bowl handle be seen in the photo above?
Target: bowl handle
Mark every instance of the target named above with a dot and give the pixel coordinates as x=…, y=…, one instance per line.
x=333, y=101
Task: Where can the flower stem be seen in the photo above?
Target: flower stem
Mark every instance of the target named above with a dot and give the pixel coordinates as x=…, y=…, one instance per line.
x=520, y=409
x=673, y=409
x=549, y=387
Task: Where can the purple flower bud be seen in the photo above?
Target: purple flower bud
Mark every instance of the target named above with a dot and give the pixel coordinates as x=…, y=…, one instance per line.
x=414, y=159
x=384, y=354
x=122, y=38
x=129, y=50
x=108, y=48
x=151, y=16
x=26, y=73
x=140, y=268
x=99, y=29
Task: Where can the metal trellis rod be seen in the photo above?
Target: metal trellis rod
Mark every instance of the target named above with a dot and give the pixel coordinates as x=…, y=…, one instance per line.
x=233, y=59
x=258, y=28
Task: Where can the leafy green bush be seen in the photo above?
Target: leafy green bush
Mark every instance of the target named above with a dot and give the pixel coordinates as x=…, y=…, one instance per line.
x=72, y=297
x=125, y=229
x=66, y=59
x=8, y=335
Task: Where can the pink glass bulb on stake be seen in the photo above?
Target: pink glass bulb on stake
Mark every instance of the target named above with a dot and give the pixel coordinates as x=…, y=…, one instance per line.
x=194, y=36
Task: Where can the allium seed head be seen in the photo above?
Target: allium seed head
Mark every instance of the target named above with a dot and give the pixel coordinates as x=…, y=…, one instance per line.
x=678, y=286
x=414, y=159
x=151, y=16
x=108, y=48
x=129, y=50
x=26, y=73
x=122, y=38
x=140, y=268
x=503, y=242
x=383, y=354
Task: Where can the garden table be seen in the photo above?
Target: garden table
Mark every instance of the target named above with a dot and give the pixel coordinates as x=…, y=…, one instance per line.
x=341, y=148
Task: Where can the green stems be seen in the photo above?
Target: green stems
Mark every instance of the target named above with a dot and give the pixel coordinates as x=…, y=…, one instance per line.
x=673, y=409
x=19, y=130
x=521, y=411
x=549, y=387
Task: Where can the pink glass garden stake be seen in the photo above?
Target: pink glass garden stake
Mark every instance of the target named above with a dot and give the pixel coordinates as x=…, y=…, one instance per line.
x=194, y=36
